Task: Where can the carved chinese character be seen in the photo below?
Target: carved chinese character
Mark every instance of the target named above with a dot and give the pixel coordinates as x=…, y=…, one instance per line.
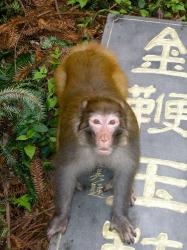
x=97, y=179
x=162, y=242
x=170, y=62
x=159, y=198
x=141, y=102
x=175, y=112
x=117, y=243
x=173, y=109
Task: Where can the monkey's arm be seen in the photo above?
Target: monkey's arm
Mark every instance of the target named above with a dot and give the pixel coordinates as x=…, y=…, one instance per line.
x=123, y=182
x=65, y=182
x=120, y=220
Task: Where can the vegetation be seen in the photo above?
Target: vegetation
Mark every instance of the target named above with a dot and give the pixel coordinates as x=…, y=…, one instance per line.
x=34, y=36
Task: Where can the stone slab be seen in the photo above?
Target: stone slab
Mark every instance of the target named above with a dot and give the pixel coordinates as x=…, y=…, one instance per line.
x=153, y=53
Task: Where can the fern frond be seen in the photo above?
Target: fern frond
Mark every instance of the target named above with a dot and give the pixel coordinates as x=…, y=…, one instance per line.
x=8, y=74
x=25, y=96
x=30, y=85
x=56, y=24
x=23, y=50
x=9, y=158
x=30, y=31
x=16, y=187
x=23, y=72
x=37, y=175
x=42, y=3
x=13, y=38
x=9, y=111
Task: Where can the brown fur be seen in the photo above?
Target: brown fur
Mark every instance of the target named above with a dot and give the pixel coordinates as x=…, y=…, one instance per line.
x=88, y=81
x=88, y=71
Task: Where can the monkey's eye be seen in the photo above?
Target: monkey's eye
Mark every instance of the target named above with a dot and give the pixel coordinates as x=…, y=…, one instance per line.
x=112, y=122
x=96, y=121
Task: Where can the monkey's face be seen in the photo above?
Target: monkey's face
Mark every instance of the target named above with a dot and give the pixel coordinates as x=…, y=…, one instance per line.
x=103, y=127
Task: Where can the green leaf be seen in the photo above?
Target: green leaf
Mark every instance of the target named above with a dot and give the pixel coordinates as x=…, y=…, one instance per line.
x=153, y=7
x=30, y=150
x=41, y=73
x=123, y=11
x=22, y=138
x=141, y=4
x=118, y=1
x=183, y=18
x=57, y=53
x=15, y=6
x=167, y=15
x=82, y=3
x=51, y=85
x=30, y=133
x=72, y=1
x=23, y=201
x=114, y=12
x=178, y=7
x=40, y=128
x=144, y=13
x=51, y=102
x=53, y=139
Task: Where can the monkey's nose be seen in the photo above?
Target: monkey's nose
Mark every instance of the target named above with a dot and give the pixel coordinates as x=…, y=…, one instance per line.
x=104, y=138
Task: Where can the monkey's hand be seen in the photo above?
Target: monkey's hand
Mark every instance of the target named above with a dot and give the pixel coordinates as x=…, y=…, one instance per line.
x=123, y=226
x=57, y=225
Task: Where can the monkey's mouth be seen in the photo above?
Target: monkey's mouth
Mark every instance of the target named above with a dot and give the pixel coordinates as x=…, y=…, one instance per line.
x=104, y=151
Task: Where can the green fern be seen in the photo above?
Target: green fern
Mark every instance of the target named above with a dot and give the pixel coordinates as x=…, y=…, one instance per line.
x=9, y=111
x=7, y=154
x=11, y=96
x=9, y=70
x=3, y=226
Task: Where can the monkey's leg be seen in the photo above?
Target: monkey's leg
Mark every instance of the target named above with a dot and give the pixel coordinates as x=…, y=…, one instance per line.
x=122, y=191
x=65, y=182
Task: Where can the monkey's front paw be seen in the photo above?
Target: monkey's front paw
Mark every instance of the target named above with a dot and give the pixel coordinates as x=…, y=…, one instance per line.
x=58, y=224
x=123, y=226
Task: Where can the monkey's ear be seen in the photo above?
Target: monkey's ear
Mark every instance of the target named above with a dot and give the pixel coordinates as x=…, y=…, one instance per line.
x=83, y=125
x=122, y=104
x=84, y=104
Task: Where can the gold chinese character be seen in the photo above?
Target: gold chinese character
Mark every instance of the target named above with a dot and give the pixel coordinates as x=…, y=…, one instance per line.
x=97, y=176
x=97, y=183
x=96, y=189
x=142, y=106
x=176, y=111
x=160, y=198
x=117, y=243
x=172, y=47
x=162, y=242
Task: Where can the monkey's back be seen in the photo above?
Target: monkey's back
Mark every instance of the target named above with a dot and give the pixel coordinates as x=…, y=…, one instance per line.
x=89, y=71
x=92, y=71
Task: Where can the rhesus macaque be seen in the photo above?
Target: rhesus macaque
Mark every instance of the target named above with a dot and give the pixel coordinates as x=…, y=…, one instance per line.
x=96, y=127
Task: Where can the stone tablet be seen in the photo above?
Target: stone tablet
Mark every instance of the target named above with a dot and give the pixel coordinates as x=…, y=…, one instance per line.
x=153, y=54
